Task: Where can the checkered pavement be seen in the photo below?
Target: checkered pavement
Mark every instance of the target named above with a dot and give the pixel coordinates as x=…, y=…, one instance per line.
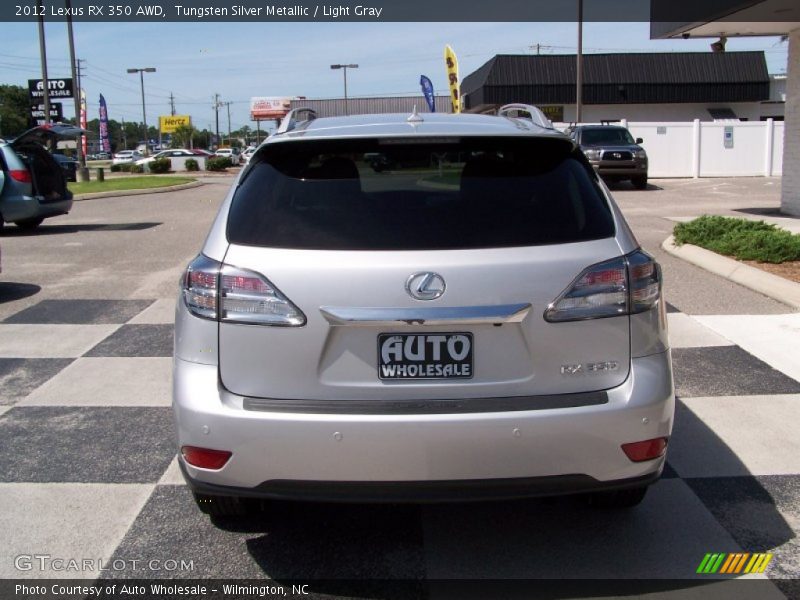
x=87, y=469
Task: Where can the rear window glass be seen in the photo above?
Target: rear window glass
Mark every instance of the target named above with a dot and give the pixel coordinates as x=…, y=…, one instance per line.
x=396, y=194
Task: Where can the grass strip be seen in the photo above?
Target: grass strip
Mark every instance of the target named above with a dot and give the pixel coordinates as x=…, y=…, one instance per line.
x=126, y=183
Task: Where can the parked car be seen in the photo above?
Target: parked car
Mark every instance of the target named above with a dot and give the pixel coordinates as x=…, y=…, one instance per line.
x=175, y=152
x=232, y=153
x=68, y=165
x=247, y=154
x=486, y=327
x=33, y=185
x=613, y=152
x=126, y=156
x=101, y=156
x=201, y=152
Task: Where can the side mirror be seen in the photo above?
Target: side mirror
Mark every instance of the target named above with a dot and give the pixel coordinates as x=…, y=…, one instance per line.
x=639, y=141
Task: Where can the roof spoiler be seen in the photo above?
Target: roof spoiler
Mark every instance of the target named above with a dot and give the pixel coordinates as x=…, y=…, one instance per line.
x=290, y=121
x=535, y=114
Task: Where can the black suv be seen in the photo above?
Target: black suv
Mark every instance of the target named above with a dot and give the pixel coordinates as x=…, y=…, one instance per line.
x=612, y=152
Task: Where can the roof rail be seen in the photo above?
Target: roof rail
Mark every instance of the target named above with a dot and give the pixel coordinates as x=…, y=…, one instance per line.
x=536, y=114
x=290, y=121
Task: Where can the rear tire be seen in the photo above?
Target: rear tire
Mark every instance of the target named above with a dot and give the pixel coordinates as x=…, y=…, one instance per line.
x=220, y=506
x=618, y=499
x=29, y=224
x=640, y=183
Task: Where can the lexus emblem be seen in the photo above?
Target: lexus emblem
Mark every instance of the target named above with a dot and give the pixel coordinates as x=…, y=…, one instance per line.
x=425, y=286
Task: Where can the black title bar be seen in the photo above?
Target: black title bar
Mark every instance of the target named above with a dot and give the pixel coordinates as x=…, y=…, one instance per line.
x=266, y=11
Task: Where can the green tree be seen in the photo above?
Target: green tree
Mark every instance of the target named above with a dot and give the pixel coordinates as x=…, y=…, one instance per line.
x=14, y=110
x=184, y=136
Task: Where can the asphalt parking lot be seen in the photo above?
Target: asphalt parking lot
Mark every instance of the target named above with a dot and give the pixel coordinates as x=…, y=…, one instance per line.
x=87, y=465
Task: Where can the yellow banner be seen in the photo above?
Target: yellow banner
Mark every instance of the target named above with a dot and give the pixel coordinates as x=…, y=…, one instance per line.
x=169, y=124
x=451, y=64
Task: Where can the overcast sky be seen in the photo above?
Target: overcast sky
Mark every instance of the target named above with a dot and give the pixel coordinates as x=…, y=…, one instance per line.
x=237, y=60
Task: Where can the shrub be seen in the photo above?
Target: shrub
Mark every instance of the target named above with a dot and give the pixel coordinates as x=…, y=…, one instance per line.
x=160, y=165
x=217, y=163
x=116, y=168
x=740, y=238
x=136, y=168
x=191, y=165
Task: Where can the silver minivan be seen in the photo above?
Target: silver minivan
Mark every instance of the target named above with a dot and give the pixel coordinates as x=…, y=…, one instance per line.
x=420, y=308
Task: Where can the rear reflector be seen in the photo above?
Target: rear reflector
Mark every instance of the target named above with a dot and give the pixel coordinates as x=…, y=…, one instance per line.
x=205, y=458
x=21, y=175
x=646, y=450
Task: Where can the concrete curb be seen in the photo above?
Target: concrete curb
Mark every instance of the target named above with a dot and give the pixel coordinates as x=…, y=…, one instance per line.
x=117, y=193
x=757, y=280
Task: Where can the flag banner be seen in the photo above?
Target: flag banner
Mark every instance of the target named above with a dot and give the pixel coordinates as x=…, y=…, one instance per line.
x=83, y=121
x=451, y=65
x=427, y=91
x=105, y=142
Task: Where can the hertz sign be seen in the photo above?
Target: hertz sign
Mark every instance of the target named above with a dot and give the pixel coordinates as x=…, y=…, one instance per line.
x=170, y=123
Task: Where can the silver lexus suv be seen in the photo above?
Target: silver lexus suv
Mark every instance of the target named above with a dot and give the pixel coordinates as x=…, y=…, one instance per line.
x=420, y=308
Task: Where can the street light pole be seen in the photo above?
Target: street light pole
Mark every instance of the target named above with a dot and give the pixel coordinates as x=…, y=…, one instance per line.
x=345, y=67
x=141, y=72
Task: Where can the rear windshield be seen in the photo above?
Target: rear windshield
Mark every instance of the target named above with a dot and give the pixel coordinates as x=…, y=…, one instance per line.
x=606, y=136
x=394, y=194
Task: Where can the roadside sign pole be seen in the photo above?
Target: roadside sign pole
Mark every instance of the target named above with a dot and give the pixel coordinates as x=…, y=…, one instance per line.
x=43, y=55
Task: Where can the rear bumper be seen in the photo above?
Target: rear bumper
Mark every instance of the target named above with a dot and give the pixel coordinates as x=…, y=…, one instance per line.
x=482, y=455
x=463, y=490
x=20, y=208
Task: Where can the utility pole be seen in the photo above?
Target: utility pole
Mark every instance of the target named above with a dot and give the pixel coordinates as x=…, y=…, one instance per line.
x=124, y=136
x=172, y=104
x=83, y=172
x=216, y=114
x=43, y=55
x=228, y=105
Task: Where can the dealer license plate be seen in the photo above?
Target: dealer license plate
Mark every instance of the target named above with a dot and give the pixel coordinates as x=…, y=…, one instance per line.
x=412, y=356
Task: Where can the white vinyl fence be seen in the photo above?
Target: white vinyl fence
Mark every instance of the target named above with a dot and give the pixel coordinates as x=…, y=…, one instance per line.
x=712, y=149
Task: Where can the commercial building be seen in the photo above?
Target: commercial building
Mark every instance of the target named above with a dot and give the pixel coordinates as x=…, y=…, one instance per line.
x=675, y=86
x=754, y=18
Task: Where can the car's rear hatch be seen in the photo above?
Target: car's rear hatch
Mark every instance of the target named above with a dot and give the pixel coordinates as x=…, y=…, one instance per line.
x=47, y=175
x=425, y=279
x=43, y=134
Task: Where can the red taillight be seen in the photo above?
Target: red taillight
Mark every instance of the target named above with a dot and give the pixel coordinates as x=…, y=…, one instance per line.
x=646, y=450
x=21, y=175
x=205, y=458
x=622, y=286
x=223, y=293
